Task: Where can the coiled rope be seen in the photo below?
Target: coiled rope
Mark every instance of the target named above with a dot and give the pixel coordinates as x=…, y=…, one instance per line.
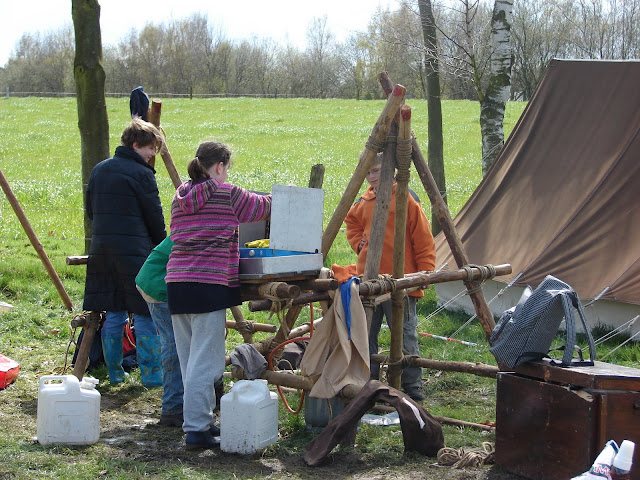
x=459, y=458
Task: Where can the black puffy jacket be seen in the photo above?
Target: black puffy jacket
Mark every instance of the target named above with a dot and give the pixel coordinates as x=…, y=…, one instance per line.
x=123, y=203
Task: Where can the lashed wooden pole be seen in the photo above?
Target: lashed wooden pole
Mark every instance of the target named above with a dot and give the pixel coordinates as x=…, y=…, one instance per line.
x=33, y=238
x=448, y=228
x=474, y=288
x=373, y=146
x=90, y=323
x=380, y=218
x=154, y=117
x=403, y=163
x=379, y=288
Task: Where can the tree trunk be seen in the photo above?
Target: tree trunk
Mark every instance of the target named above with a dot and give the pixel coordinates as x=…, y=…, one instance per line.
x=492, y=104
x=435, y=156
x=89, y=78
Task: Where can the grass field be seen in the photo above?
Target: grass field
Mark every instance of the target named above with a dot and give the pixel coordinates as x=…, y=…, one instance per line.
x=273, y=142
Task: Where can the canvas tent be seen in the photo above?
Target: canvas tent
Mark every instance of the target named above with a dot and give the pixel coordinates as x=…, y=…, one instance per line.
x=563, y=196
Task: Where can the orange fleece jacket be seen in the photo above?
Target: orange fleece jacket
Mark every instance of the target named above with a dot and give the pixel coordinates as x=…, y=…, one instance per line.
x=420, y=253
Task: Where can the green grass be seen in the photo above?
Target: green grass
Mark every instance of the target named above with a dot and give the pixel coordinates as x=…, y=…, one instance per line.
x=273, y=141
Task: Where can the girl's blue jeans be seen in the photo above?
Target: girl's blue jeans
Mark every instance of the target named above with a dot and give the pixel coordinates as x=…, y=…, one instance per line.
x=172, y=387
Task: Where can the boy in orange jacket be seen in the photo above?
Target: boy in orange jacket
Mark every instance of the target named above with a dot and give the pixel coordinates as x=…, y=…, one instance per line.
x=419, y=256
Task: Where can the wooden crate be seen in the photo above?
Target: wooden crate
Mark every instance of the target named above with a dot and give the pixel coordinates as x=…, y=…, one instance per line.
x=552, y=422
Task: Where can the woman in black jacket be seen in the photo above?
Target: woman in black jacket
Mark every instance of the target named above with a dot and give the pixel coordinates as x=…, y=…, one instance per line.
x=123, y=203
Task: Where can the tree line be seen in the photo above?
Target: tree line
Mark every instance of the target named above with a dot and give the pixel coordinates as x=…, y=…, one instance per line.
x=193, y=55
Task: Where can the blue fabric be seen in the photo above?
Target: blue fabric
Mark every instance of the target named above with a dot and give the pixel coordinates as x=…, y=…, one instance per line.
x=115, y=321
x=345, y=293
x=172, y=387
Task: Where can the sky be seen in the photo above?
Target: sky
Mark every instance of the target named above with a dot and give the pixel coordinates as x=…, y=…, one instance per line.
x=285, y=21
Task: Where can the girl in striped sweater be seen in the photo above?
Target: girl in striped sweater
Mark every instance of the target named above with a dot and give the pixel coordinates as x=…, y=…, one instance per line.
x=202, y=278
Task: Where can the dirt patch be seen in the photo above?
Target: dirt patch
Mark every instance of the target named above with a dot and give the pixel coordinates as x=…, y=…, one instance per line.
x=129, y=430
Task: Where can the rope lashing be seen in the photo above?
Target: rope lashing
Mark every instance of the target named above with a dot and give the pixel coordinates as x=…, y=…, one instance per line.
x=269, y=291
x=401, y=363
x=403, y=160
x=486, y=272
x=459, y=458
x=368, y=302
x=387, y=282
x=245, y=327
x=374, y=144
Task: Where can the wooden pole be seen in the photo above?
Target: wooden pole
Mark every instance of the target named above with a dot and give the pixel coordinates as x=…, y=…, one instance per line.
x=249, y=291
x=318, y=284
x=380, y=218
x=154, y=117
x=403, y=162
x=444, y=217
x=419, y=279
x=247, y=336
x=303, y=329
x=372, y=147
x=90, y=324
x=438, y=418
x=317, y=176
x=478, y=369
x=349, y=392
x=474, y=288
x=284, y=330
x=81, y=321
x=33, y=238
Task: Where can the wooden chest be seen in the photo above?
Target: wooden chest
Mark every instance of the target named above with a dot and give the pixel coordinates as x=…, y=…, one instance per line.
x=552, y=422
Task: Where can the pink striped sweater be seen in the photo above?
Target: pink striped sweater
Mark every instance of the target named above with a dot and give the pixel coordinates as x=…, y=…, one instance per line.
x=204, y=226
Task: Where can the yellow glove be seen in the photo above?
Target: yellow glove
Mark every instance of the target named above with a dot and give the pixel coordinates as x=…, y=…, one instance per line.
x=264, y=243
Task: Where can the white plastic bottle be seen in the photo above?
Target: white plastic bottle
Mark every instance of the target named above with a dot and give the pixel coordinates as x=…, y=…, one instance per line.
x=622, y=462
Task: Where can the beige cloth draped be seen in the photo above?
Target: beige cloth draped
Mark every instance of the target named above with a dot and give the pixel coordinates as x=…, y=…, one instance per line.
x=331, y=359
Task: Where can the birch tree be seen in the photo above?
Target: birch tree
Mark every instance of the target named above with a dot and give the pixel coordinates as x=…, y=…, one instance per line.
x=494, y=99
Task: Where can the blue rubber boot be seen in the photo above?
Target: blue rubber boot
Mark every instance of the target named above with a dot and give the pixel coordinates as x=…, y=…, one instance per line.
x=148, y=351
x=112, y=352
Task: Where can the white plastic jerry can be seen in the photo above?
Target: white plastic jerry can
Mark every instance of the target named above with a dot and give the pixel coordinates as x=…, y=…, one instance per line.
x=248, y=417
x=68, y=410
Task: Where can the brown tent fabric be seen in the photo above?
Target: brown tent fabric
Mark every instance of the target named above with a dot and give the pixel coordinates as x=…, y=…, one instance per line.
x=561, y=198
x=420, y=431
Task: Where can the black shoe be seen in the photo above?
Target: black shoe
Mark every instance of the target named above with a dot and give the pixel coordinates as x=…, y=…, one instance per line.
x=416, y=394
x=215, y=430
x=201, y=440
x=219, y=392
x=174, y=420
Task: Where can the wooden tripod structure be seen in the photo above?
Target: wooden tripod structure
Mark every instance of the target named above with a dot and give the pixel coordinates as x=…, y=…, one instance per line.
x=393, y=136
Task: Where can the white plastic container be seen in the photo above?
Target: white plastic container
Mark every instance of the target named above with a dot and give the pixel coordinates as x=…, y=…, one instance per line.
x=68, y=410
x=248, y=417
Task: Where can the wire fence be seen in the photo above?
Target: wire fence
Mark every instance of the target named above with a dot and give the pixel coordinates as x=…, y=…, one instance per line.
x=9, y=94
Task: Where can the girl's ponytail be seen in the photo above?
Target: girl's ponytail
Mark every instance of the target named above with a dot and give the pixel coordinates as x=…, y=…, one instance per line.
x=196, y=170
